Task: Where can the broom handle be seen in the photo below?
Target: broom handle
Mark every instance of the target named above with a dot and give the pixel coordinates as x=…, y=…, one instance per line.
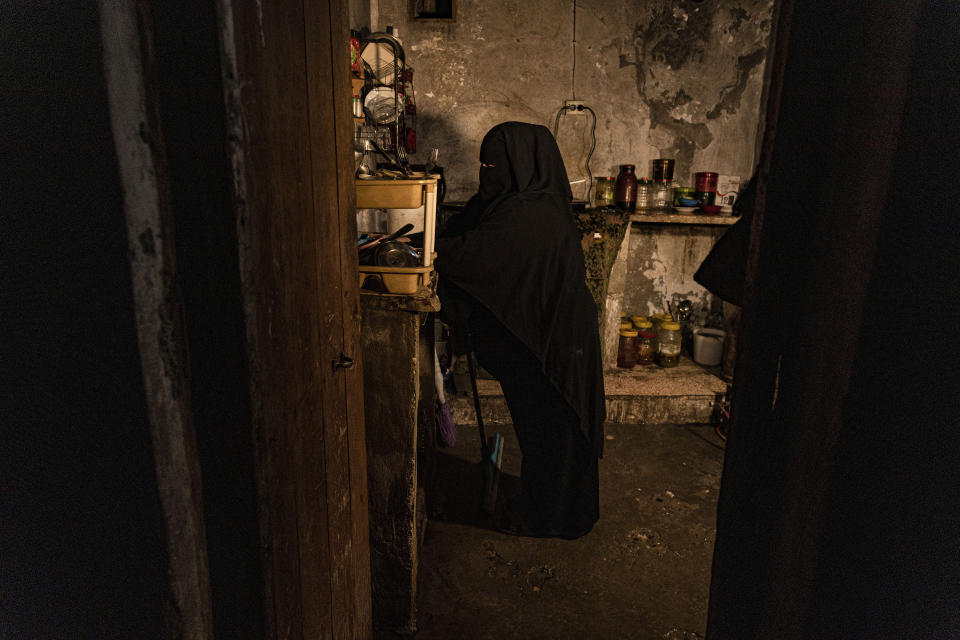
x=476, y=404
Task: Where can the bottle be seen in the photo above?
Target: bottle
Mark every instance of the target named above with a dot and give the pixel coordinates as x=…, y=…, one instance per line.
x=626, y=197
x=357, y=107
x=645, y=342
x=669, y=341
x=627, y=349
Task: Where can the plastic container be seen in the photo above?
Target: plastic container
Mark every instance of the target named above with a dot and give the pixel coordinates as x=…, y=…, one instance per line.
x=662, y=195
x=681, y=192
x=645, y=340
x=669, y=343
x=627, y=349
x=644, y=195
x=706, y=181
x=626, y=195
x=605, y=192
x=708, y=346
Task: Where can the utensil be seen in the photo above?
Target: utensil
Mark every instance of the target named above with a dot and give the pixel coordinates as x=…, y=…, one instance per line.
x=405, y=229
x=432, y=160
x=390, y=158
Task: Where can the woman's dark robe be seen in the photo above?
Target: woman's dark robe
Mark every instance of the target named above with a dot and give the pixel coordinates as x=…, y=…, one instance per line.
x=512, y=273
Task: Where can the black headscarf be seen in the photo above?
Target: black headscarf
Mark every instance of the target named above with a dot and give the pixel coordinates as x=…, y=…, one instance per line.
x=516, y=250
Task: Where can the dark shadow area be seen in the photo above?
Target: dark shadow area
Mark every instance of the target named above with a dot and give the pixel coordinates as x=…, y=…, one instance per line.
x=458, y=491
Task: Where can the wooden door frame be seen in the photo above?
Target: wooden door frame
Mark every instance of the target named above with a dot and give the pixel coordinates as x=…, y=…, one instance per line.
x=286, y=104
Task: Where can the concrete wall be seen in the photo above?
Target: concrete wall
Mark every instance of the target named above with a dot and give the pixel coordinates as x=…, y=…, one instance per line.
x=675, y=79
x=661, y=263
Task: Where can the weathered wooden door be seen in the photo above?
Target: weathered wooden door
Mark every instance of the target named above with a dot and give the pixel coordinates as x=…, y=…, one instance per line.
x=286, y=80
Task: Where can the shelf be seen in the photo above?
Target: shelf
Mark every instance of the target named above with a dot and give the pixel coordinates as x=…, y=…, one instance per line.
x=684, y=218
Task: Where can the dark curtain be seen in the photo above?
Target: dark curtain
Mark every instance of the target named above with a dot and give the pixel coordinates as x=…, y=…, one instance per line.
x=839, y=511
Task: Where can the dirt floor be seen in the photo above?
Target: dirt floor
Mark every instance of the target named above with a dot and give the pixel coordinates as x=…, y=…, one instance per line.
x=642, y=573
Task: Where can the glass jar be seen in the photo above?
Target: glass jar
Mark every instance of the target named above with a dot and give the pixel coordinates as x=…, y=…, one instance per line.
x=669, y=341
x=645, y=338
x=627, y=349
x=662, y=197
x=626, y=195
x=644, y=195
x=663, y=169
x=605, y=192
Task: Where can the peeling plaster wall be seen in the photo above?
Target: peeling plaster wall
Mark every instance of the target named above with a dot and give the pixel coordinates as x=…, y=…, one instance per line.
x=666, y=79
x=661, y=264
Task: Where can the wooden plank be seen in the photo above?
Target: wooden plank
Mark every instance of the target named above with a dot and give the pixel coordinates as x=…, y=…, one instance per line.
x=273, y=163
x=292, y=157
x=353, y=378
x=321, y=96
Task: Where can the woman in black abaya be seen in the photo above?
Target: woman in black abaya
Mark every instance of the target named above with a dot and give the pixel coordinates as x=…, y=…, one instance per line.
x=512, y=279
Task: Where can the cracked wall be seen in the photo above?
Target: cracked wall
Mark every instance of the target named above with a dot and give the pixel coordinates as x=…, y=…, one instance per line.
x=676, y=79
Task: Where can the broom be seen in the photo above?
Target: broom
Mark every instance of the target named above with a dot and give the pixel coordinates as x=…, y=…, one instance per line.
x=491, y=451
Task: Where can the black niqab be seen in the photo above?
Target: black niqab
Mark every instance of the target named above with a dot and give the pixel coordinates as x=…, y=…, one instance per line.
x=515, y=250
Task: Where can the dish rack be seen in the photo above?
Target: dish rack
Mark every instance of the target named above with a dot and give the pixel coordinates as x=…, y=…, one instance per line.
x=404, y=193
x=383, y=55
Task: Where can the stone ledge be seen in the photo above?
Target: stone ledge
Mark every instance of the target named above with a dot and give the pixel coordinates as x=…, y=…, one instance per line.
x=687, y=394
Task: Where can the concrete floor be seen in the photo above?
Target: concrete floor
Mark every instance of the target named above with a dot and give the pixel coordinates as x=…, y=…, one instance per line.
x=642, y=573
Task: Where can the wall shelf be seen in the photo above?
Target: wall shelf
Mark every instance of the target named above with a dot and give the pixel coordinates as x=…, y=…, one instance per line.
x=679, y=218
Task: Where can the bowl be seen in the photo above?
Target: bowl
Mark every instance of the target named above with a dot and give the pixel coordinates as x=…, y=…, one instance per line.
x=688, y=202
x=711, y=208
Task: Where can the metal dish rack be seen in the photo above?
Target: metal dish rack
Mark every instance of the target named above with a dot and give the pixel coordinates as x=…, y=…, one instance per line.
x=389, y=135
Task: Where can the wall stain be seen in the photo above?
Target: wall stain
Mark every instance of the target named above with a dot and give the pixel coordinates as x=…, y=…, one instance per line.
x=731, y=94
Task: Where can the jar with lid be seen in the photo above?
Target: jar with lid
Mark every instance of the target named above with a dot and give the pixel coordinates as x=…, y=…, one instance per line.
x=645, y=339
x=626, y=195
x=627, y=349
x=669, y=340
x=606, y=190
x=625, y=325
x=636, y=320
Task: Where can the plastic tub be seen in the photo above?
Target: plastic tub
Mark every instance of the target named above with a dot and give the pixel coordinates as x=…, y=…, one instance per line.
x=708, y=346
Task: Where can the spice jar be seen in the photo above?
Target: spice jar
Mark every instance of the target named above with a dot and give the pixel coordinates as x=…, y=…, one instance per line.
x=626, y=196
x=627, y=350
x=669, y=340
x=645, y=339
x=606, y=191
